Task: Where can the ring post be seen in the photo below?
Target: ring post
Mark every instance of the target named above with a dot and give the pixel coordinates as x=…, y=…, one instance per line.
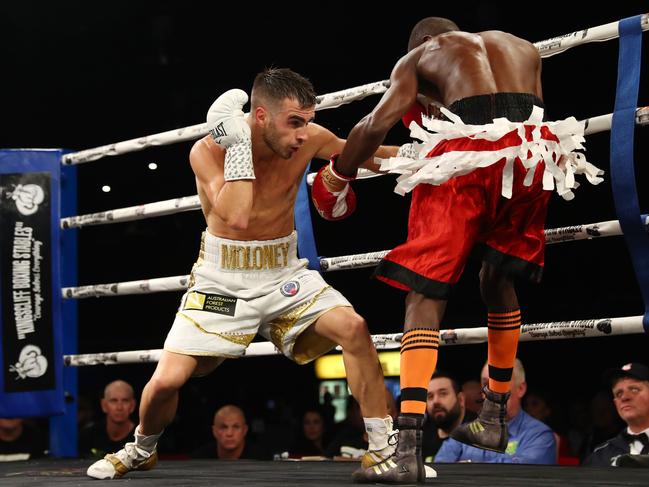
x=63, y=429
x=305, y=239
x=625, y=193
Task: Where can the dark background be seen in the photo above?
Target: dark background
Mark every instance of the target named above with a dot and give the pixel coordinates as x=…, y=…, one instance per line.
x=82, y=74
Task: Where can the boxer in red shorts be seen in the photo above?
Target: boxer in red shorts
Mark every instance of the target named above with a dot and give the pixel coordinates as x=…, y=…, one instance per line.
x=480, y=181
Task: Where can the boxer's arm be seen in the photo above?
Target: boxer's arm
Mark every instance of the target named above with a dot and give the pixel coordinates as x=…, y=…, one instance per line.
x=539, y=86
x=231, y=200
x=329, y=144
x=331, y=194
x=369, y=133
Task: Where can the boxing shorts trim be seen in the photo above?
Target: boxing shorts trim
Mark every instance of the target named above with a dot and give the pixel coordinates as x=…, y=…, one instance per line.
x=509, y=264
x=406, y=279
x=238, y=338
x=554, y=143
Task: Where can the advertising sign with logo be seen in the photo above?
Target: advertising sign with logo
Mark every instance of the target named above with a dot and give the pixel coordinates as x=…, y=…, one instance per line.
x=30, y=351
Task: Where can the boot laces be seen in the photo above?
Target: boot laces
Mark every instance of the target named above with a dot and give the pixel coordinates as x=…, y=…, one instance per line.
x=393, y=439
x=131, y=455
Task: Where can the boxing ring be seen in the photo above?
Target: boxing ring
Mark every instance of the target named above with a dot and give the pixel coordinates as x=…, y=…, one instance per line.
x=630, y=225
x=248, y=472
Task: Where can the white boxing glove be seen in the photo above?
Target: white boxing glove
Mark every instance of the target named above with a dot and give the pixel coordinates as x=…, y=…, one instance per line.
x=228, y=127
x=226, y=120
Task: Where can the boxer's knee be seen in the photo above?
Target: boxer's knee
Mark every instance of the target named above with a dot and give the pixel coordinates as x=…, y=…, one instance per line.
x=172, y=372
x=163, y=386
x=346, y=328
x=496, y=287
x=355, y=333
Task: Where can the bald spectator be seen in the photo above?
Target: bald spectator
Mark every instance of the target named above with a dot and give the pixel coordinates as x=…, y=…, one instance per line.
x=229, y=429
x=530, y=441
x=472, y=390
x=19, y=440
x=109, y=434
x=630, y=448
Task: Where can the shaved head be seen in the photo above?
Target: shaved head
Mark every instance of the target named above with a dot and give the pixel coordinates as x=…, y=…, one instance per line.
x=229, y=410
x=118, y=385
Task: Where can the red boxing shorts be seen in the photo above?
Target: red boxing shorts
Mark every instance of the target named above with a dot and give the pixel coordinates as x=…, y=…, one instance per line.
x=468, y=214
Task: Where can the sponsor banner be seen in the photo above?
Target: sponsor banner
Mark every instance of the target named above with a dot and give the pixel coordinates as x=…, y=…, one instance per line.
x=30, y=320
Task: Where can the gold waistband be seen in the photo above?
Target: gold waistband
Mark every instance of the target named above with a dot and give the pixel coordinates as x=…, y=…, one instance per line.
x=247, y=256
x=250, y=257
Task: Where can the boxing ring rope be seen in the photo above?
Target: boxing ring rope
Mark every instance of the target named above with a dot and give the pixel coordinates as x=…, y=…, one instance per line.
x=547, y=48
x=590, y=231
x=601, y=123
x=462, y=336
x=323, y=102
x=138, y=212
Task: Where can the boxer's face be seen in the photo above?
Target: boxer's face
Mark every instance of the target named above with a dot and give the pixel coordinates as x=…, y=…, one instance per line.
x=286, y=127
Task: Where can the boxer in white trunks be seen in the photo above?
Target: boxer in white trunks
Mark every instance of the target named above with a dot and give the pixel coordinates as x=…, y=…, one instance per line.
x=248, y=278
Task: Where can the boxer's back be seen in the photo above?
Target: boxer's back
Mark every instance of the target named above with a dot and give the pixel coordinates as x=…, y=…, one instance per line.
x=458, y=64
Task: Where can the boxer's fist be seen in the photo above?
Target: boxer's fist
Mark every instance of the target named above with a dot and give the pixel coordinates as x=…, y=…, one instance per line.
x=414, y=114
x=226, y=120
x=418, y=110
x=228, y=127
x=331, y=193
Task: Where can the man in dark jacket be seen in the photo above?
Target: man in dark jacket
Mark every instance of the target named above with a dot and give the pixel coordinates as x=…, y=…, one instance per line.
x=630, y=387
x=445, y=411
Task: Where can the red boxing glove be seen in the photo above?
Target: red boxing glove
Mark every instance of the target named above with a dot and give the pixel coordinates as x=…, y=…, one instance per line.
x=331, y=193
x=414, y=114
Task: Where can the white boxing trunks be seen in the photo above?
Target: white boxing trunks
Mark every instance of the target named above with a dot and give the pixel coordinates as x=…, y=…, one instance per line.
x=240, y=288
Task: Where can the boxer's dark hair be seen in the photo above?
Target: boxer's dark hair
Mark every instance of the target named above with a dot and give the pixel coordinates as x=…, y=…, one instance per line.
x=429, y=27
x=276, y=84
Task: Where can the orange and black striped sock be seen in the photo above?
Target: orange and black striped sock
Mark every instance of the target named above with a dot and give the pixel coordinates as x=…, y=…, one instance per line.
x=418, y=361
x=503, y=331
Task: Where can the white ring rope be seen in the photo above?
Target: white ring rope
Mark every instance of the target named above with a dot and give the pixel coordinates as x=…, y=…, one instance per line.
x=460, y=336
x=594, y=125
x=546, y=48
x=601, y=33
x=552, y=235
x=139, y=212
x=144, y=286
x=323, y=102
x=328, y=264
